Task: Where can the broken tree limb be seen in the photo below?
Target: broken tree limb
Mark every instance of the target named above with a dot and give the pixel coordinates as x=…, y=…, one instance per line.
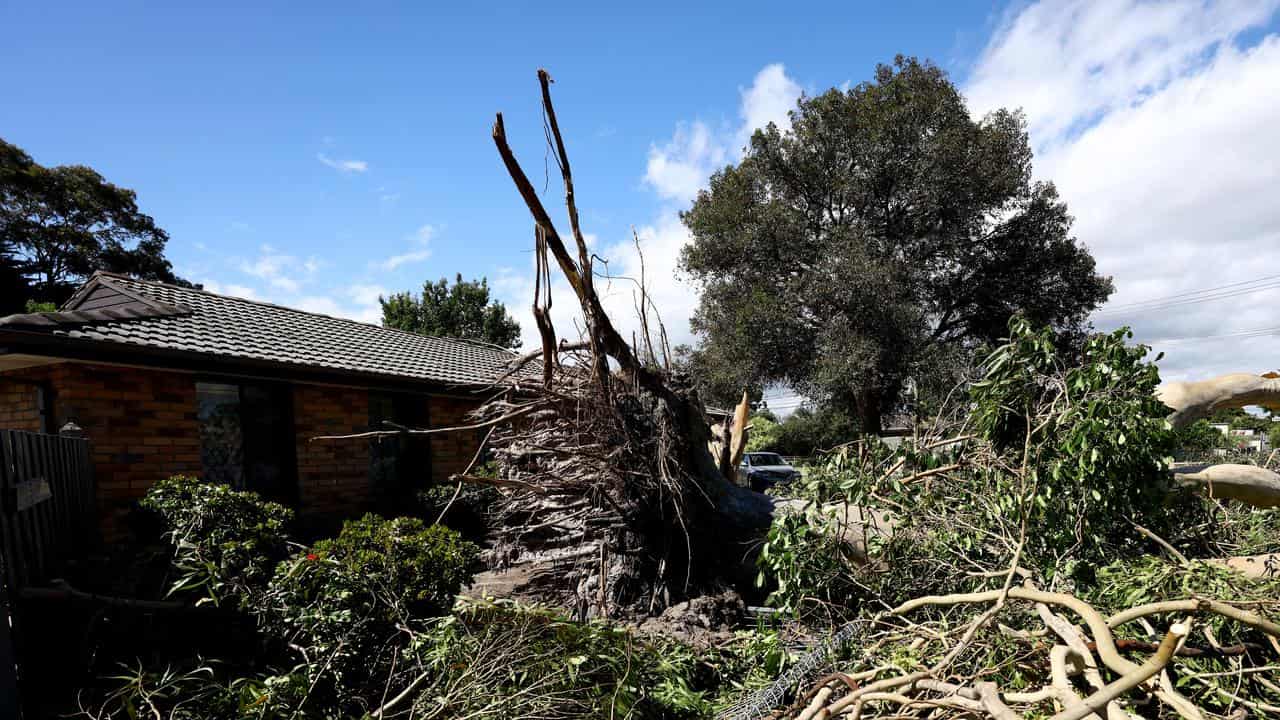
x=1249, y=484
x=1196, y=605
x=1254, y=566
x=1131, y=679
x=1193, y=400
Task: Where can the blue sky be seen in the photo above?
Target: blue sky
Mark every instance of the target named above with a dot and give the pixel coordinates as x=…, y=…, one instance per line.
x=219, y=117
x=317, y=155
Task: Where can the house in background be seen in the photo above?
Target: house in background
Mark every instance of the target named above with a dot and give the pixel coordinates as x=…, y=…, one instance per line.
x=166, y=380
x=1246, y=438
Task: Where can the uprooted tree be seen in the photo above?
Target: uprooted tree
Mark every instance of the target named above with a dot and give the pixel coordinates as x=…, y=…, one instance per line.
x=614, y=502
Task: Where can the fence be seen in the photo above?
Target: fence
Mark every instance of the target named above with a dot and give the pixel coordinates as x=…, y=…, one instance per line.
x=46, y=517
x=46, y=503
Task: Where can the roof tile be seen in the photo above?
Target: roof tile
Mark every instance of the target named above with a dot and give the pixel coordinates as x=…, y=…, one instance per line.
x=234, y=328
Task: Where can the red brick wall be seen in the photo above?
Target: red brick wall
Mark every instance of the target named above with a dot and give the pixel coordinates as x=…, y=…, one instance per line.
x=333, y=475
x=19, y=405
x=451, y=452
x=143, y=427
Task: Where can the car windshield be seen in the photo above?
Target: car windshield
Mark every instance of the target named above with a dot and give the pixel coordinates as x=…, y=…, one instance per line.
x=766, y=459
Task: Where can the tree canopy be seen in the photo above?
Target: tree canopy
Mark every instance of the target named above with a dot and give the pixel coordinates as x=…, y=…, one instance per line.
x=461, y=310
x=883, y=237
x=58, y=225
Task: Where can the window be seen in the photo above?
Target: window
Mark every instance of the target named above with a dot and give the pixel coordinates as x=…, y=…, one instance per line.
x=247, y=438
x=398, y=464
x=44, y=405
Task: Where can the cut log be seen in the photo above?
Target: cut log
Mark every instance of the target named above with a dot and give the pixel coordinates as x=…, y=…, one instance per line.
x=1193, y=400
x=1252, y=566
x=1249, y=484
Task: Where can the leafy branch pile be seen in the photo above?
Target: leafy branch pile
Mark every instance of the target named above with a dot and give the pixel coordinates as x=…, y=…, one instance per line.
x=1030, y=555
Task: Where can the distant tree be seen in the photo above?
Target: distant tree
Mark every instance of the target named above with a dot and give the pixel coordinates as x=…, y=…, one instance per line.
x=803, y=433
x=884, y=231
x=719, y=383
x=15, y=290
x=1199, y=436
x=461, y=310
x=765, y=434
x=58, y=225
x=1273, y=435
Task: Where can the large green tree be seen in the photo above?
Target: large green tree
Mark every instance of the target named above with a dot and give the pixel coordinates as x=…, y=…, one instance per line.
x=461, y=310
x=58, y=225
x=881, y=238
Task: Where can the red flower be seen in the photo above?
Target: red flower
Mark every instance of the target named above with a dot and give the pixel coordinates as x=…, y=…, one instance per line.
x=312, y=556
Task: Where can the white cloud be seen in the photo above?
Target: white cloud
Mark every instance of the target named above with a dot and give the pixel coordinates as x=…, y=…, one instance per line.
x=679, y=168
x=1068, y=62
x=1158, y=126
x=769, y=99
x=346, y=166
x=278, y=269
x=230, y=289
x=366, y=295
x=421, y=238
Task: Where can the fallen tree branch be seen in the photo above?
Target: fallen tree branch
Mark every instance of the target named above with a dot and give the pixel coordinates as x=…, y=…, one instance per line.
x=1131, y=679
x=524, y=410
x=1196, y=605
x=62, y=591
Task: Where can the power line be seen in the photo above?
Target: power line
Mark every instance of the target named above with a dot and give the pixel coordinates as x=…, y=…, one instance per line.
x=1163, y=305
x=1243, y=334
x=1196, y=292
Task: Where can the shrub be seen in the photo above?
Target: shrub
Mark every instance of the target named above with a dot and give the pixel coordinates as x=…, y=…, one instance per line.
x=344, y=600
x=226, y=542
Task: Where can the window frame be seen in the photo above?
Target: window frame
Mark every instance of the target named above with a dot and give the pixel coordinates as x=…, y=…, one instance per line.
x=283, y=392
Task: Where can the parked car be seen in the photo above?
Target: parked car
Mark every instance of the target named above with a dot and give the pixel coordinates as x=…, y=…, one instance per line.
x=762, y=470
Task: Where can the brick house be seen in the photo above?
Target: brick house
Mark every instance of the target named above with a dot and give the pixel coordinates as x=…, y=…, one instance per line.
x=167, y=380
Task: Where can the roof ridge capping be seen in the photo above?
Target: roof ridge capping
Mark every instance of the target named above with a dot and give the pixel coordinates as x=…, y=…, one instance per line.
x=90, y=317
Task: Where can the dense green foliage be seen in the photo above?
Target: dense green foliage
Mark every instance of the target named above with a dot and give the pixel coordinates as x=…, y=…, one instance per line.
x=879, y=239
x=226, y=542
x=461, y=310
x=58, y=225
x=370, y=619
x=1213, y=682
x=1067, y=458
x=1092, y=439
x=344, y=598
x=803, y=433
x=1199, y=437
x=489, y=660
x=333, y=620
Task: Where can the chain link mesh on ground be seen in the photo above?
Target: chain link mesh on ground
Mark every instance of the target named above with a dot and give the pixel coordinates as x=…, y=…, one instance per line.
x=806, y=669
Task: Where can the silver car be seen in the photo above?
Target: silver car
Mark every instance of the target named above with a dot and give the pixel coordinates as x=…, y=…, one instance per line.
x=762, y=470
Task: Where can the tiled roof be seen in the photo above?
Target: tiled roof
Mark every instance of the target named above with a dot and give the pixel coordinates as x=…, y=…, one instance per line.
x=125, y=311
